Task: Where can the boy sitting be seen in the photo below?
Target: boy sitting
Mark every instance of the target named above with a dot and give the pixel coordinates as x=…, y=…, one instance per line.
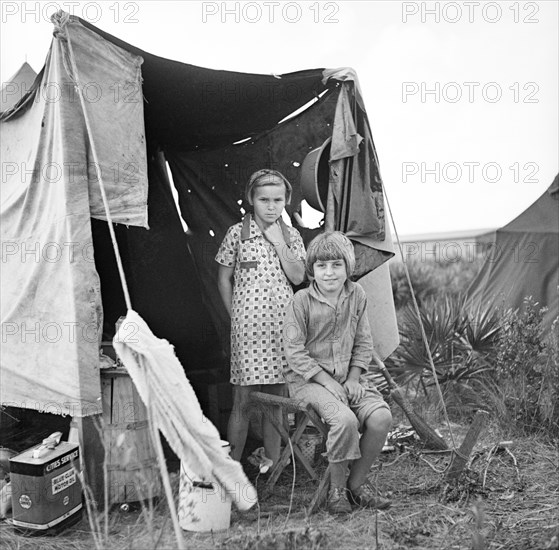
x=328, y=345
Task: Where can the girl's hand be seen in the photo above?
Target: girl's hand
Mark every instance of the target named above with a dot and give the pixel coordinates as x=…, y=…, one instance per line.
x=274, y=234
x=337, y=390
x=355, y=391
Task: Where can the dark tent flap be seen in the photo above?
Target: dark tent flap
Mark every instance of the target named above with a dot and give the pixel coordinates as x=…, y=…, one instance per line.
x=211, y=186
x=355, y=195
x=161, y=275
x=189, y=107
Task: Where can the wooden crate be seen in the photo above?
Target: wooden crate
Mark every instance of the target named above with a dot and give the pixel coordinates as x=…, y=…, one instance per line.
x=133, y=473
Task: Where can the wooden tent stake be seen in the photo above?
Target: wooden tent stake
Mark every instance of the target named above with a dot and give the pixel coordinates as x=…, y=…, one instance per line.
x=461, y=457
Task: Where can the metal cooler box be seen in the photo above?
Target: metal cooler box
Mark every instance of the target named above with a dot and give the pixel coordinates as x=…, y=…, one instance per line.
x=46, y=490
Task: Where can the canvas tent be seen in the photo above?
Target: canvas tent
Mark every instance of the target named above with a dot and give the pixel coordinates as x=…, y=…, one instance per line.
x=523, y=260
x=17, y=86
x=61, y=294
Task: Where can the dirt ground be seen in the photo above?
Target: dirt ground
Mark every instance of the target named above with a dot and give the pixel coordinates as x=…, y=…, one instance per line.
x=508, y=499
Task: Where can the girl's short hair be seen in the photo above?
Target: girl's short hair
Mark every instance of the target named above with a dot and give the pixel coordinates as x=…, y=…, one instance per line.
x=264, y=177
x=330, y=245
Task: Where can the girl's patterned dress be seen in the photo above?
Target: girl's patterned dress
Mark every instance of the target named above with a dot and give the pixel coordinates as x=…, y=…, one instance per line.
x=261, y=292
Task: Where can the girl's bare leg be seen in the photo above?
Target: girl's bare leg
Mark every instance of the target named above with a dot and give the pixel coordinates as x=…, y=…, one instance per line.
x=237, y=428
x=272, y=440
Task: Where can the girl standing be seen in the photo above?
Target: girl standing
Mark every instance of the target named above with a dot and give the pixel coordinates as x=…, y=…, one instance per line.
x=259, y=258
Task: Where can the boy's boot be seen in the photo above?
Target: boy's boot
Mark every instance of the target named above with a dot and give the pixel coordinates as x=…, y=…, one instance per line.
x=367, y=496
x=338, y=502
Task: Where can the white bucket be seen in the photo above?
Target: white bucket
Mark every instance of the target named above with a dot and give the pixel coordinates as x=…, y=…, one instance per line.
x=203, y=504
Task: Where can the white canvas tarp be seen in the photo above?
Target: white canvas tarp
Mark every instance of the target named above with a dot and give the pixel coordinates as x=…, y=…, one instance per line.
x=50, y=298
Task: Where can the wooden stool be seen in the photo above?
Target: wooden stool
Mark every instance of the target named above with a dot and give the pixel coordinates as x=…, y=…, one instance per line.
x=304, y=414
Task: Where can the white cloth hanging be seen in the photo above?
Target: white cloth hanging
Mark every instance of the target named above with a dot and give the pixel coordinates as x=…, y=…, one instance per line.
x=162, y=385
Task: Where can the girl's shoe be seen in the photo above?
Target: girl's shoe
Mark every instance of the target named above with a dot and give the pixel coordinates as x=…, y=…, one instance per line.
x=338, y=502
x=366, y=496
x=260, y=460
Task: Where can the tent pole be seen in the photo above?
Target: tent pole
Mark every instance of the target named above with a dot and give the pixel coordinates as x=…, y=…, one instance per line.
x=92, y=447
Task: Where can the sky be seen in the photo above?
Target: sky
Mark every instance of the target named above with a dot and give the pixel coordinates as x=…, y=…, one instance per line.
x=462, y=97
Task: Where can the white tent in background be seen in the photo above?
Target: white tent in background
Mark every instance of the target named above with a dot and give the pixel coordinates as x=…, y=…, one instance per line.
x=524, y=260
x=16, y=87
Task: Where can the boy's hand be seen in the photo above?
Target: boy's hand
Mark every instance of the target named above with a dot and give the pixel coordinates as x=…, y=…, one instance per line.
x=337, y=390
x=355, y=391
x=334, y=387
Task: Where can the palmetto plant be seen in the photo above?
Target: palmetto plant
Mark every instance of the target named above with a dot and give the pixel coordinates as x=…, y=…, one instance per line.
x=481, y=333
x=461, y=341
x=489, y=358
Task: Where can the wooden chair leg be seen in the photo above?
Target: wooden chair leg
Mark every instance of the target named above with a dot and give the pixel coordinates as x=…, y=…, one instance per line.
x=287, y=452
x=283, y=460
x=321, y=492
x=267, y=403
x=317, y=421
